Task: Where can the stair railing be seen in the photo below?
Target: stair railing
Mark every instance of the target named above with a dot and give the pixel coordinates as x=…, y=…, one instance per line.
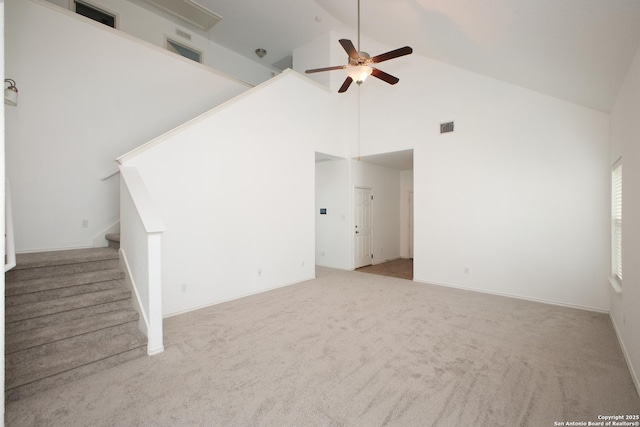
x=9, y=243
x=141, y=231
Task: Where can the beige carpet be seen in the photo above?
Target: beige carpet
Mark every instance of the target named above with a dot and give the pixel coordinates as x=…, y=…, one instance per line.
x=357, y=349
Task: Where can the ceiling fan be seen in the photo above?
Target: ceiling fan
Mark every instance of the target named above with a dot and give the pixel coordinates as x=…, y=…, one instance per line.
x=359, y=65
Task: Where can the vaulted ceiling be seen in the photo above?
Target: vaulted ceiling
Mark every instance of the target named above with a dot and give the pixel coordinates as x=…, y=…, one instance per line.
x=577, y=50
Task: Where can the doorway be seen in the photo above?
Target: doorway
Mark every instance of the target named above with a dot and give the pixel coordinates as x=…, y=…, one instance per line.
x=363, y=225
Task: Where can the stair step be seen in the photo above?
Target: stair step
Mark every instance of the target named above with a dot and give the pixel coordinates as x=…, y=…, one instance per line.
x=114, y=240
x=52, y=364
x=114, y=237
x=65, y=377
x=54, y=294
x=61, y=263
x=48, y=334
x=44, y=308
x=68, y=314
x=74, y=343
x=65, y=316
x=50, y=283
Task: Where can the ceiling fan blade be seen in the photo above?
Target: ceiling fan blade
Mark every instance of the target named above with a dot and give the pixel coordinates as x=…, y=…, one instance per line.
x=350, y=48
x=384, y=76
x=345, y=85
x=317, y=70
x=392, y=54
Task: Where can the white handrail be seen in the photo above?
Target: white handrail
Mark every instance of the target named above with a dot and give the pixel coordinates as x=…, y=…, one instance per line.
x=9, y=244
x=141, y=245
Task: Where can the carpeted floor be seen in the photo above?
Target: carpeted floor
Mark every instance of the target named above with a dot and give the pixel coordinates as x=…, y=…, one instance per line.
x=353, y=349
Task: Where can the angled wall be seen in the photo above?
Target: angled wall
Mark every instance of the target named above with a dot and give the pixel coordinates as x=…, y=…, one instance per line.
x=87, y=94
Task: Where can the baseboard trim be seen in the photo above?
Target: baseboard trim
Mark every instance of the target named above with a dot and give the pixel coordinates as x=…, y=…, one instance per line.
x=520, y=297
x=632, y=371
x=156, y=351
x=188, y=310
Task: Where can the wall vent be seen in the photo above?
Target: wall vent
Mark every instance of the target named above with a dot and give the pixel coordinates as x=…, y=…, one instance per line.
x=190, y=11
x=92, y=12
x=446, y=127
x=183, y=34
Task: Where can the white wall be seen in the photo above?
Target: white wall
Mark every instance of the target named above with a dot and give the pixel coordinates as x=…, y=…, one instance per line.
x=154, y=28
x=385, y=183
x=333, y=230
x=406, y=187
x=237, y=196
x=625, y=142
x=519, y=194
x=2, y=211
x=87, y=94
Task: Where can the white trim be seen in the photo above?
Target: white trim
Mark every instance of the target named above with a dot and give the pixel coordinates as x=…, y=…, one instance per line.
x=143, y=323
x=520, y=297
x=177, y=313
x=9, y=242
x=164, y=137
x=625, y=353
x=353, y=224
x=154, y=263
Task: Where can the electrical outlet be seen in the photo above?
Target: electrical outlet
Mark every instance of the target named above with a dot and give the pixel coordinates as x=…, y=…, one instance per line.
x=259, y=272
x=303, y=263
x=466, y=270
x=85, y=223
x=184, y=288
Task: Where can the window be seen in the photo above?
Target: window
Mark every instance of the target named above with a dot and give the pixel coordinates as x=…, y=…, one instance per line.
x=183, y=50
x=616, y=222
x=96, y=14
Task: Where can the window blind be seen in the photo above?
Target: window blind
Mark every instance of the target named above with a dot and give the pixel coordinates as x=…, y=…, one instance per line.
x=616, y=218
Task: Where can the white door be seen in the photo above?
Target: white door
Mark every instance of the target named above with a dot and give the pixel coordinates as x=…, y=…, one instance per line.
x=411, y=224
x=363, y=225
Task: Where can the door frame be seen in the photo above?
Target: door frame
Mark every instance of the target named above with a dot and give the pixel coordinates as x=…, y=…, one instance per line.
x=353, y=207
x=411, y=225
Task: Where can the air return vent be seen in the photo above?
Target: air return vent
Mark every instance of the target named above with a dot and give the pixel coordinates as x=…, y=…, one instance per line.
x=189, y=11
x=446, y=127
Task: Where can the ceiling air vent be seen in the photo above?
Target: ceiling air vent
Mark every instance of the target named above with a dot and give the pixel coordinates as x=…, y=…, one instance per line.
x=446, y=127
x=189, y=11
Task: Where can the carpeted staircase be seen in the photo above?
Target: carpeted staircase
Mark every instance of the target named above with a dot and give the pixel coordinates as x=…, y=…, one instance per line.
x=68, y=314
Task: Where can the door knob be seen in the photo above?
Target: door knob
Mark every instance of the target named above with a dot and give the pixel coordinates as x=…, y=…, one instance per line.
x=357, y=231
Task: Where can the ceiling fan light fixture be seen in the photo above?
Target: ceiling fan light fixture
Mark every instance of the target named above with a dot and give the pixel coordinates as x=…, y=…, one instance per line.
x=359, y=73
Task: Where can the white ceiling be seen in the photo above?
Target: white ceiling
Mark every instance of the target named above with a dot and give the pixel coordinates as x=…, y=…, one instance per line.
x=577, y=50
